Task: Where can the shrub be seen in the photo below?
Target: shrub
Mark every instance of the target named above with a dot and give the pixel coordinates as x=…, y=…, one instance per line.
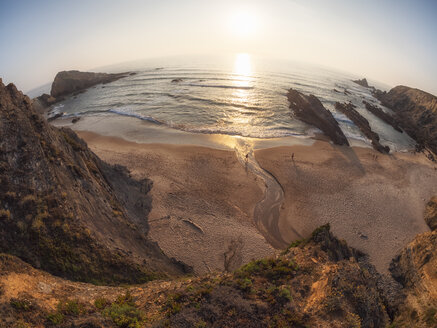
x=101, y=303
x=70, y=307
x=21, y=304
x=125, y=315
x=55, y=318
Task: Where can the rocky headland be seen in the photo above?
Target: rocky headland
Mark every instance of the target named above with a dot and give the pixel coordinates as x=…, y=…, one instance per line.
x=415, y=111
x=310, y=110
x=67, y=83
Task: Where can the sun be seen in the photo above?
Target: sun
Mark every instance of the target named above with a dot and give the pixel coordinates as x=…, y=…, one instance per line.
x=243, y=23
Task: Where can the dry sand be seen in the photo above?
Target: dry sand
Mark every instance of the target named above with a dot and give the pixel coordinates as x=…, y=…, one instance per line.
x=373, y=201
x=203, y=200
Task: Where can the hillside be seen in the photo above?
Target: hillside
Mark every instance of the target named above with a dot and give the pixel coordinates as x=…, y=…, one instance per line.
x=64, y=210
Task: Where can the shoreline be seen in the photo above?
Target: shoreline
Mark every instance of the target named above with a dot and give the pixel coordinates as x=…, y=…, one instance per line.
x=144, y=132
x=373, y=201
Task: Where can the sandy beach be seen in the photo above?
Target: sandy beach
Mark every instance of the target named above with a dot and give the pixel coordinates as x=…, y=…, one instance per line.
x=204, y=197
x=375, y=202
x=203, y=200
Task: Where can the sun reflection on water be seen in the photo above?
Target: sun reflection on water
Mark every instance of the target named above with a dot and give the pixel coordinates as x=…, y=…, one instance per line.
x=242, y=95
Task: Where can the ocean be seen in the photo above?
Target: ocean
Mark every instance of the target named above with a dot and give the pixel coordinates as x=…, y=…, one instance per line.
x=239, y=95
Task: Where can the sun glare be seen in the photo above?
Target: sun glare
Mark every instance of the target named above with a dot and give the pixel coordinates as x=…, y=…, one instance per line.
x=242, y=64
x=243, y=23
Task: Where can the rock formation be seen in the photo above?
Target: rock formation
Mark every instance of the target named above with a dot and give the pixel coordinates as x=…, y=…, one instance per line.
x=69, y=82
x=416, y=113
x=310, y=110
x=42, y=102
x=378, y=112
x=362, y=82
x=349, y=110
x=64, y=210
x=415, y=269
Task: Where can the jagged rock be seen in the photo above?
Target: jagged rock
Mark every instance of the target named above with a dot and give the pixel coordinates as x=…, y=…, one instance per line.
x=416, y=113
x=72, y=82
x=362, y=82
x=75, y=120
x=349, y=110
x=378, y=112
x=64, y=210
x=41, y=103
x=310, y=110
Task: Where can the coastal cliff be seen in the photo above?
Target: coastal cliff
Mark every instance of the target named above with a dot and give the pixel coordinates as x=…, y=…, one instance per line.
x=64, y=210
x=416, y=113
x=69, y=82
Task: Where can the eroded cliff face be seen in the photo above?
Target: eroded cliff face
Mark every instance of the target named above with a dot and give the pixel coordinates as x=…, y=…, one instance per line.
x=64, y=210
x=416, y=269
x=416, y=113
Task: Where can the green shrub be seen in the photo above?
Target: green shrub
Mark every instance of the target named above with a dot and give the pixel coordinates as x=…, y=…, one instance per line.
x=55, y=318
x=125, y=315
x=21, y=304
x=101, y=303
x=70, y=307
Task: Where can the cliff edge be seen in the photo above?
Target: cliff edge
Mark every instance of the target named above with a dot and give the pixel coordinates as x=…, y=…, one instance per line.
x=64, y=210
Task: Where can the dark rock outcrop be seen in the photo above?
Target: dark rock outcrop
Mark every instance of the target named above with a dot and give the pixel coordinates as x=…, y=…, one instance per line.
x=310, y=110
x=378, y=112
x=416, y=113
x=362, y=82
x=71, y=82
x=64, y=210
x=42, y=102
x=349, y=110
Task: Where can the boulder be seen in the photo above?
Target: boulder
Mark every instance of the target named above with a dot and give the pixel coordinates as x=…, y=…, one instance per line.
x=310, y=110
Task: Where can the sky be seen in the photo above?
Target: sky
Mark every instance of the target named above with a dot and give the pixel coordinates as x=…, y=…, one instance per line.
x=393, y=42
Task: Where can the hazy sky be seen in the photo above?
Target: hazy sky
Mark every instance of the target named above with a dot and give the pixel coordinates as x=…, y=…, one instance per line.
x=394, y=42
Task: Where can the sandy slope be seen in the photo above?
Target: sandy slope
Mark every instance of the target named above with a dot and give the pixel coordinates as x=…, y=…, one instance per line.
x=375, y=203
